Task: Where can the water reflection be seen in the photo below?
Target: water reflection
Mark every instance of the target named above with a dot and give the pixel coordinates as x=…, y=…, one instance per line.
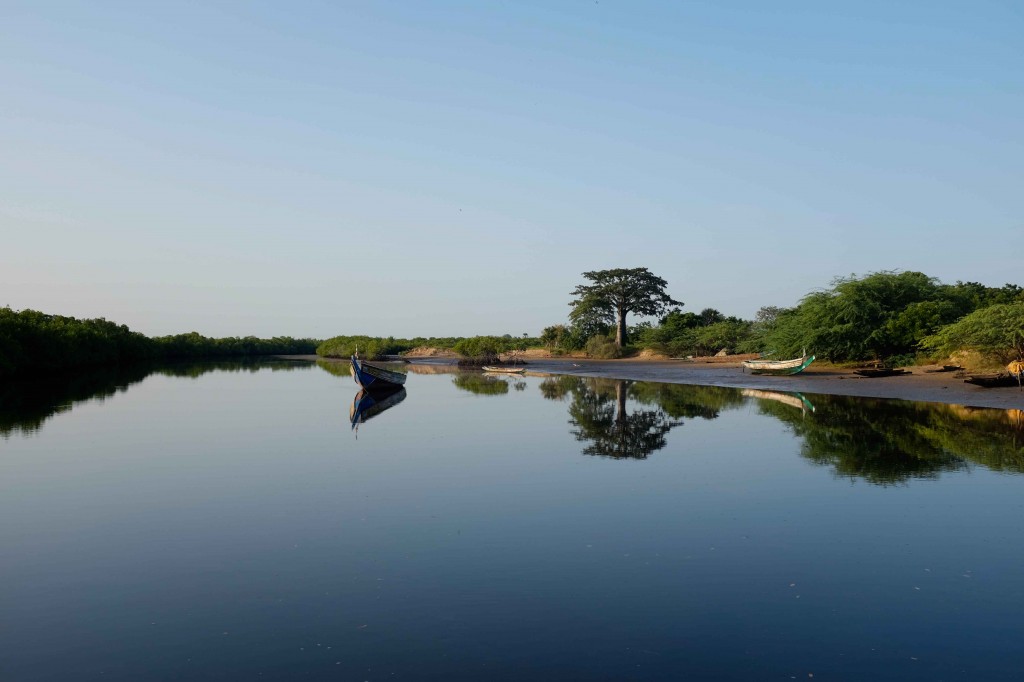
x=480, y=384
x=889, y=441
x=691, y=402
x=883, y=442
x=26, y=404
x=600, y=418
x=368, y=404
x=791, y=398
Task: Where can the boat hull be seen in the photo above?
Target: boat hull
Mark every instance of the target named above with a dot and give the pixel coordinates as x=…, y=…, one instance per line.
x=871, y=373
x=504, y=370
x=778, y=367
x=994, y=380
x=372, y=377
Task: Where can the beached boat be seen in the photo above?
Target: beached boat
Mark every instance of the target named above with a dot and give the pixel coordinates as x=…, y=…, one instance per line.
x=367, y=404
x=780, y=367
x=997, y=380
x=878, y=372
x=372, y=377
x=504, y=370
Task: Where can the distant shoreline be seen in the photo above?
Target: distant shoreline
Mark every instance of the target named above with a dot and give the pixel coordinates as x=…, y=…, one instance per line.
x=941, y=387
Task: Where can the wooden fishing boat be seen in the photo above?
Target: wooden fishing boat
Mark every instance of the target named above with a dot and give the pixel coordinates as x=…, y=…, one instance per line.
x=372, y=377
x=878, y=372
x=997, y=380
x=367, y=404
x=779, y=367
x=504, y=370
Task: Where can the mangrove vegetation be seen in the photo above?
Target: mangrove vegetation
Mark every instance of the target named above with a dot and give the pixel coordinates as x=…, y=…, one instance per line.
x=31, y=341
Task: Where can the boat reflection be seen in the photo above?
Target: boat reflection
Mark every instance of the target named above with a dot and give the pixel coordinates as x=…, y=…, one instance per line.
x=791, y=398
x=368, y=404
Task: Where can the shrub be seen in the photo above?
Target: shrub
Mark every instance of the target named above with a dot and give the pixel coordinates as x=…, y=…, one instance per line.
x=602, y=347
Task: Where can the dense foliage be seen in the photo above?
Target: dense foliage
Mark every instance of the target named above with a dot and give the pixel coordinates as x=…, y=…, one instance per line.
x=376, y=348
x=996, y=331
x=705, y=333
x=369, y=347
x=883, y=316
x=32, y=341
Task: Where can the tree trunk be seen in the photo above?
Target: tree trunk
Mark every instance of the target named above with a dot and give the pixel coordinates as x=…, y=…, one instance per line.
x=620, y=418
x=620, y=332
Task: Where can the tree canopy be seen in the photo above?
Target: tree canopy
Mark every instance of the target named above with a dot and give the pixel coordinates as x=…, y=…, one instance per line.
x=996, y=331
x=881, y=315
x=613, y=294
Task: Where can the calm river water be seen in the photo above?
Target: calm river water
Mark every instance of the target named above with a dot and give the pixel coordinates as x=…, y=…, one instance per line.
x=219, y=522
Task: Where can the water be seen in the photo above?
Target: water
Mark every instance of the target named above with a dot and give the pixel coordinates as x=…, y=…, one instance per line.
x=227, y=522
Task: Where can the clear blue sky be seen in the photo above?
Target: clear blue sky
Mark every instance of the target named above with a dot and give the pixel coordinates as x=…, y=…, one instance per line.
x=434, y=168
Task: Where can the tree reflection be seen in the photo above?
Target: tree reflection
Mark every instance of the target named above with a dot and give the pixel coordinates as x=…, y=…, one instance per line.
x=26, y=404
x=888, y=441
x=480, y=384
x=683, y=400
x=599, y=414
x=884, y=442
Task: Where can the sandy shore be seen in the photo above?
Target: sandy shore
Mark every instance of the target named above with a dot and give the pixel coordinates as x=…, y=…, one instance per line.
x=945, y=387
x=941, y=387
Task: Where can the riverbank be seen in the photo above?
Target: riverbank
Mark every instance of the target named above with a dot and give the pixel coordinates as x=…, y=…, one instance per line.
x=938, y=387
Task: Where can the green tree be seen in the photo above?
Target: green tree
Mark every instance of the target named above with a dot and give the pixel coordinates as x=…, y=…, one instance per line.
x=615, y=293
x=861, y=318
x=996, y=331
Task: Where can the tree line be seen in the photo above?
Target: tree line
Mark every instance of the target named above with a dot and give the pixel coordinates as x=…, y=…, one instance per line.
x=889, y=316
x=486, y=348
x=31, y=341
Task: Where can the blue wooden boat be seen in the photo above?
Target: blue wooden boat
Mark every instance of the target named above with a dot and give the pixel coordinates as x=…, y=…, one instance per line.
x=368, y=404
x=372, y=377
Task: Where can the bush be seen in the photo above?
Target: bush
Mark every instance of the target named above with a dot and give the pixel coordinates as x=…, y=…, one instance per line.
x=480, y=350
x=996, y=331
x=602, y=347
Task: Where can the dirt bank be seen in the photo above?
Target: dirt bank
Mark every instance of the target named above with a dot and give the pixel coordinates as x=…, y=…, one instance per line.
x=945, y=387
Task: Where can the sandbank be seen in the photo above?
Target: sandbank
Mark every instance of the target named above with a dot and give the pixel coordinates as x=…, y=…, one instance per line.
x=919, y=385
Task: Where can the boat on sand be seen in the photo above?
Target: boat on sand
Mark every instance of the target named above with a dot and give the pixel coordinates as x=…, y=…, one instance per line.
x=878, y=372
x=997, y=380
x=503, y=370
x=778, y=367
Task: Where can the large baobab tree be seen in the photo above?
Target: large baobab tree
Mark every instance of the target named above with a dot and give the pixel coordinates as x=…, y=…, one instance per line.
x=613, y=294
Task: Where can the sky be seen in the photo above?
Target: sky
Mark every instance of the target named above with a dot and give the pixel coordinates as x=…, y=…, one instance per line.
x=450, y=168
